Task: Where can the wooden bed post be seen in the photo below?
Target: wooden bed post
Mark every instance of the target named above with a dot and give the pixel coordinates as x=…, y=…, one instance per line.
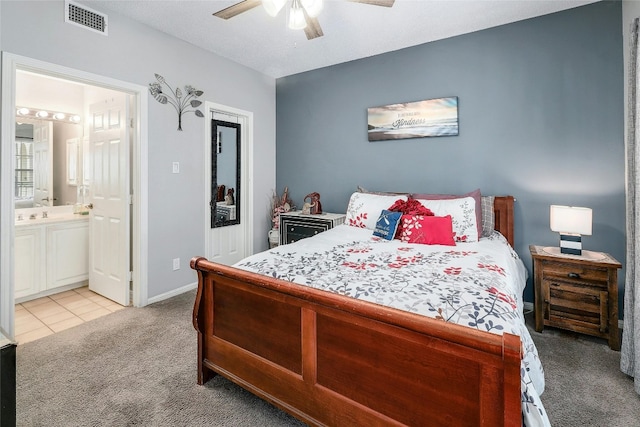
x=204, y=373
x=503, y=211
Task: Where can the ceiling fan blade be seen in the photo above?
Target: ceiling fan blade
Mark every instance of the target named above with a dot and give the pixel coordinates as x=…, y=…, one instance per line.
x=237, y=9
x=385, y=3
x=312, y=30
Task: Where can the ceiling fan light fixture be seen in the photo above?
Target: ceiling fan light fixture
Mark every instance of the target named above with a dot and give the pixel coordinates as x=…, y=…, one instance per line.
x=297, y=20
x=273, y=7
x=313, y=7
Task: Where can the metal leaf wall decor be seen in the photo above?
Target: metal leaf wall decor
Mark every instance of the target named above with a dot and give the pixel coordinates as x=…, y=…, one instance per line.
x=177, y=98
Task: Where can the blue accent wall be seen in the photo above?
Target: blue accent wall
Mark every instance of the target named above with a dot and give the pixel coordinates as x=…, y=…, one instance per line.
x=540, y=112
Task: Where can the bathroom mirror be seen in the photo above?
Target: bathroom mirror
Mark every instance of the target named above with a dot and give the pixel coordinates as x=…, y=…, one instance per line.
x=44, y=162
x=225, y=173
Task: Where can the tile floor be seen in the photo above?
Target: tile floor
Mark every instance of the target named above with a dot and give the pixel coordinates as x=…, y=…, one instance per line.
x=45, y=316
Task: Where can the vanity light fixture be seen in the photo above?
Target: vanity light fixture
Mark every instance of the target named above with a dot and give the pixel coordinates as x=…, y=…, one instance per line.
x=571, y=222
x=41, y=114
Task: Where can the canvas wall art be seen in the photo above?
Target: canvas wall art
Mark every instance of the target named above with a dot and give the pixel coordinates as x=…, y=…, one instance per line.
x=432, y=117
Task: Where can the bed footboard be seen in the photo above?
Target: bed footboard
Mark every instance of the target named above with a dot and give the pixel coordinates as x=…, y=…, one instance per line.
x=332, y=360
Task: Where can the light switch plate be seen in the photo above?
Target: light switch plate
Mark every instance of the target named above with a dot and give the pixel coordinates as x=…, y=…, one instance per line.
x=176, y=167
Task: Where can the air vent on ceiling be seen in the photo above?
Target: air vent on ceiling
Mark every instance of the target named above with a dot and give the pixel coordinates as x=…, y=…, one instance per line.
x=84, y=17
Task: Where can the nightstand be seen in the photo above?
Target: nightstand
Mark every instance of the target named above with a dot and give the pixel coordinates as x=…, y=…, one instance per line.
x=577, y=293
x=296, y=225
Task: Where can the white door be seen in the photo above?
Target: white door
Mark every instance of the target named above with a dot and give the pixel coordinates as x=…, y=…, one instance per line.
x=43, y=163
x=109, y=232
x=227, y=244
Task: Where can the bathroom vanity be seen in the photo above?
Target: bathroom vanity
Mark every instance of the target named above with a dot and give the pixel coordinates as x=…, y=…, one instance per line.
x=51, y=253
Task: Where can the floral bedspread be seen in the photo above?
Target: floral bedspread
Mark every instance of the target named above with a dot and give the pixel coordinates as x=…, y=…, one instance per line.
x=478, y=285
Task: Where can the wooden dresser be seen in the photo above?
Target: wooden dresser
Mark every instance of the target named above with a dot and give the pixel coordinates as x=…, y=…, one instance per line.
x=296, y=225
x=577, y=293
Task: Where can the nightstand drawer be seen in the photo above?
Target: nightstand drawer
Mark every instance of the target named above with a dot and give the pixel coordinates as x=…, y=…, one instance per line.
x=582, y=308
x=296, y=233
x=576, y=272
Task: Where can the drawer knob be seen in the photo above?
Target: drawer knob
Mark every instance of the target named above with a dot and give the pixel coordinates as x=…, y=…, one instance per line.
x=574, y=275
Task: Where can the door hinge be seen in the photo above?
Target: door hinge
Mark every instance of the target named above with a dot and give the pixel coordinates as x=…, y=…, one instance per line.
x=131, y=123
x=130, y=199
x=129, y=276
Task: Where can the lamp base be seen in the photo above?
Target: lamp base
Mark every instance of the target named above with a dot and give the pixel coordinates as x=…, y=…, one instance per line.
x=571, y=244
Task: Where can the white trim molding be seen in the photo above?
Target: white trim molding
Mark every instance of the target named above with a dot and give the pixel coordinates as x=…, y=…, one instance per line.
x=173, y=293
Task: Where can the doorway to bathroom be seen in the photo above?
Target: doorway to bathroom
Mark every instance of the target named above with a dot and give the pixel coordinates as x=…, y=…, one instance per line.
x=107, y=139
x=66, y=136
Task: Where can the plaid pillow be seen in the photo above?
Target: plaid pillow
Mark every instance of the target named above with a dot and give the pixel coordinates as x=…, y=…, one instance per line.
x=488, y=215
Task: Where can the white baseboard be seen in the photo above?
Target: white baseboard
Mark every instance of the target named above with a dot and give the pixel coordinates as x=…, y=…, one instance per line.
x=528, y=306
x=173, y=293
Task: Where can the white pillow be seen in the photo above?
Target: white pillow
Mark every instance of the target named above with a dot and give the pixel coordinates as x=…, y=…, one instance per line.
x=364, y=208
x=463, y=216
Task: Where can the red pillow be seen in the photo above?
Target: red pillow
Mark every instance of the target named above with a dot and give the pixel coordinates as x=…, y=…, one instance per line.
x=429, y=230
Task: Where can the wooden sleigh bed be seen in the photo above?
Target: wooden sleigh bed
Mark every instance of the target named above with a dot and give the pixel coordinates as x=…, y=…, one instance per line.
x=332, y=360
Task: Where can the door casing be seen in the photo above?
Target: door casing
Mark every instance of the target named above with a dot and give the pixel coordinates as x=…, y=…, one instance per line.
x=246, y=175
x=139, y=243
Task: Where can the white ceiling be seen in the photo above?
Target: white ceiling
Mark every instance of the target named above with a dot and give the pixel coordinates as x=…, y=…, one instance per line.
x=351, y=30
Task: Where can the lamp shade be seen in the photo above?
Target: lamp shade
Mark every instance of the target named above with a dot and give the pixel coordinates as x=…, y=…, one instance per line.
x=570, y=219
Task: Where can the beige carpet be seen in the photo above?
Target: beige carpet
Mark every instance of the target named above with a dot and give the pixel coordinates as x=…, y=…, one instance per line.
x=584, y=384
x=138, y=367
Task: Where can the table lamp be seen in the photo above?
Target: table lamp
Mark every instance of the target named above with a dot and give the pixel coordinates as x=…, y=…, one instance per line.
x=571, y=222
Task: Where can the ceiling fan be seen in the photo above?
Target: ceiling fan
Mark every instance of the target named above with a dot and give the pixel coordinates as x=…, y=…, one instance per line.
x=302, y=15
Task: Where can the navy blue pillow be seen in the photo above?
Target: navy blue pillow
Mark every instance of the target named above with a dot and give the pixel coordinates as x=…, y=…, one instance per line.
x=387, y=224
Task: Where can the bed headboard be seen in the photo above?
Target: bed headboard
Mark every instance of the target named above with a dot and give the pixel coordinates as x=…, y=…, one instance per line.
x=503, y=210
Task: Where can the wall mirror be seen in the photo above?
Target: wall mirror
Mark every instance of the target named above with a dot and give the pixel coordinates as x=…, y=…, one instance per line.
x=225, y=173
x=48, y=161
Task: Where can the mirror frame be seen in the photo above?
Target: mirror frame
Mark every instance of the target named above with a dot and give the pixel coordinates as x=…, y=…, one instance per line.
x=214, y=173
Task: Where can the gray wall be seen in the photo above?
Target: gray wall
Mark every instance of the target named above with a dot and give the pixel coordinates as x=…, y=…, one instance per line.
x=133, y=53
x=541, y=118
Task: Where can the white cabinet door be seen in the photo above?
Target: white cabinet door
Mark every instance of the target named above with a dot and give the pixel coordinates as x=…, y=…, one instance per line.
x=28, y=271
x=67, y=255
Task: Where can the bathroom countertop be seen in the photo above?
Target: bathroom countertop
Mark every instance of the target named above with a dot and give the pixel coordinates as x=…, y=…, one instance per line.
x=39, y=220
